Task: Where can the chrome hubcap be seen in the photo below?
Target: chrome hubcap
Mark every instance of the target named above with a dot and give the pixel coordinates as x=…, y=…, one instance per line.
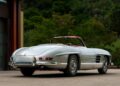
x=73, y=65
x=105, y=66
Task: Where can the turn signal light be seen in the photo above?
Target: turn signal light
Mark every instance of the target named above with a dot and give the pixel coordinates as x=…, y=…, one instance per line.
x=46, y=58
x=49, y=58
x=40, y=58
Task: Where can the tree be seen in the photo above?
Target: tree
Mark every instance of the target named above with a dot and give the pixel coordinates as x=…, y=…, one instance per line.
x=115, y=21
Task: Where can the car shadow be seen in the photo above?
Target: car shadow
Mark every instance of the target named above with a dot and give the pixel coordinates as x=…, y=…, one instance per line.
x=61, y=75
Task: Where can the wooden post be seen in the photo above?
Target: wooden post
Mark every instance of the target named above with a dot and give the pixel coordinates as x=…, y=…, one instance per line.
x=20, y=23
x=13, y=25
x=21, y=29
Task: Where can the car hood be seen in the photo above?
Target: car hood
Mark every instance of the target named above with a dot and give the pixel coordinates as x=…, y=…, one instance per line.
x=38, y=50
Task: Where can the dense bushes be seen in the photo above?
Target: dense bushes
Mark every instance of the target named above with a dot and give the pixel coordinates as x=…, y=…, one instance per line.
x=114, y=48
x=97, y=21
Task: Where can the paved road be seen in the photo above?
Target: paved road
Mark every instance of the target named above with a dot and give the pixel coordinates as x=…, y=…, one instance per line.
x=56, y=78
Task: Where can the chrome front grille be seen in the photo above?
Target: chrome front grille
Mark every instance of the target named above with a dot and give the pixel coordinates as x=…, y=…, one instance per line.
x=29, y=63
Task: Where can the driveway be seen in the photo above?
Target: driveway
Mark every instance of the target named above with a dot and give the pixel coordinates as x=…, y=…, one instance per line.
x=56, y=78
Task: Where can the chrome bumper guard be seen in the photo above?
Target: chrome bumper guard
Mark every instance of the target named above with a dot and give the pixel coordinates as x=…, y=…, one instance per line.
x=36, y=64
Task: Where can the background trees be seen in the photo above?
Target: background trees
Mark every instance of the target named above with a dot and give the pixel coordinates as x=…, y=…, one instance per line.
x=97, y=21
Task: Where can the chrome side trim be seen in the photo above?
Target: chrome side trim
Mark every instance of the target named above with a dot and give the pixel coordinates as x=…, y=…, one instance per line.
x=56, y=65
x=85, y=66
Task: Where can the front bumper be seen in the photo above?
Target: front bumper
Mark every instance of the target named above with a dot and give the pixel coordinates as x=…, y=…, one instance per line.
x=52, y=65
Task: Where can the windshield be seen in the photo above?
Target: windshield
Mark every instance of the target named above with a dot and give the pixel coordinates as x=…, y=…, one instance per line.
x=68, y=41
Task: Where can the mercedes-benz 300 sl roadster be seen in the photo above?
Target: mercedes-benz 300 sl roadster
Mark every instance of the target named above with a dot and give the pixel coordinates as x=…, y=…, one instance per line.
x=65, y=53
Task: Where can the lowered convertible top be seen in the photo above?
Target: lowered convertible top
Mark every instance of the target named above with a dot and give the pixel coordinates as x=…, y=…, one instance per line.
x=67, y=37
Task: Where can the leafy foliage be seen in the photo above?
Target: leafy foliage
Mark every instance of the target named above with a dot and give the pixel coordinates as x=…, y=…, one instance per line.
x=97, y=21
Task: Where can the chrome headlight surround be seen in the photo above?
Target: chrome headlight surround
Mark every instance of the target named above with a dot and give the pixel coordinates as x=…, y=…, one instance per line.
x=34, y=61
x=11, y=63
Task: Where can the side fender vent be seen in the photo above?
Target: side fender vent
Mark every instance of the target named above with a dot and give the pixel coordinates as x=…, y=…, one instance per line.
x=97, y=59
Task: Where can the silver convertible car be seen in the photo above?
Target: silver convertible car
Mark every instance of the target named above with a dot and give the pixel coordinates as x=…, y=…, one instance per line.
x=65, y=53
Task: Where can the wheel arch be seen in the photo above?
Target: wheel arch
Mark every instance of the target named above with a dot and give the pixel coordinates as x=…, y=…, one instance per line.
x=108, y=59
x=105, y=56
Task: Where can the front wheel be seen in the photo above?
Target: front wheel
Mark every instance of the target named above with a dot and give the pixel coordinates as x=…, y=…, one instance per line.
x=72, y=66
x=104, y=68
x=27, y=71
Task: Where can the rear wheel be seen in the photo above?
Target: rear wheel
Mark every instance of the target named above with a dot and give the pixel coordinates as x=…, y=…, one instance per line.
x=104, y=68
x=27, y=71
x=72, y=66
